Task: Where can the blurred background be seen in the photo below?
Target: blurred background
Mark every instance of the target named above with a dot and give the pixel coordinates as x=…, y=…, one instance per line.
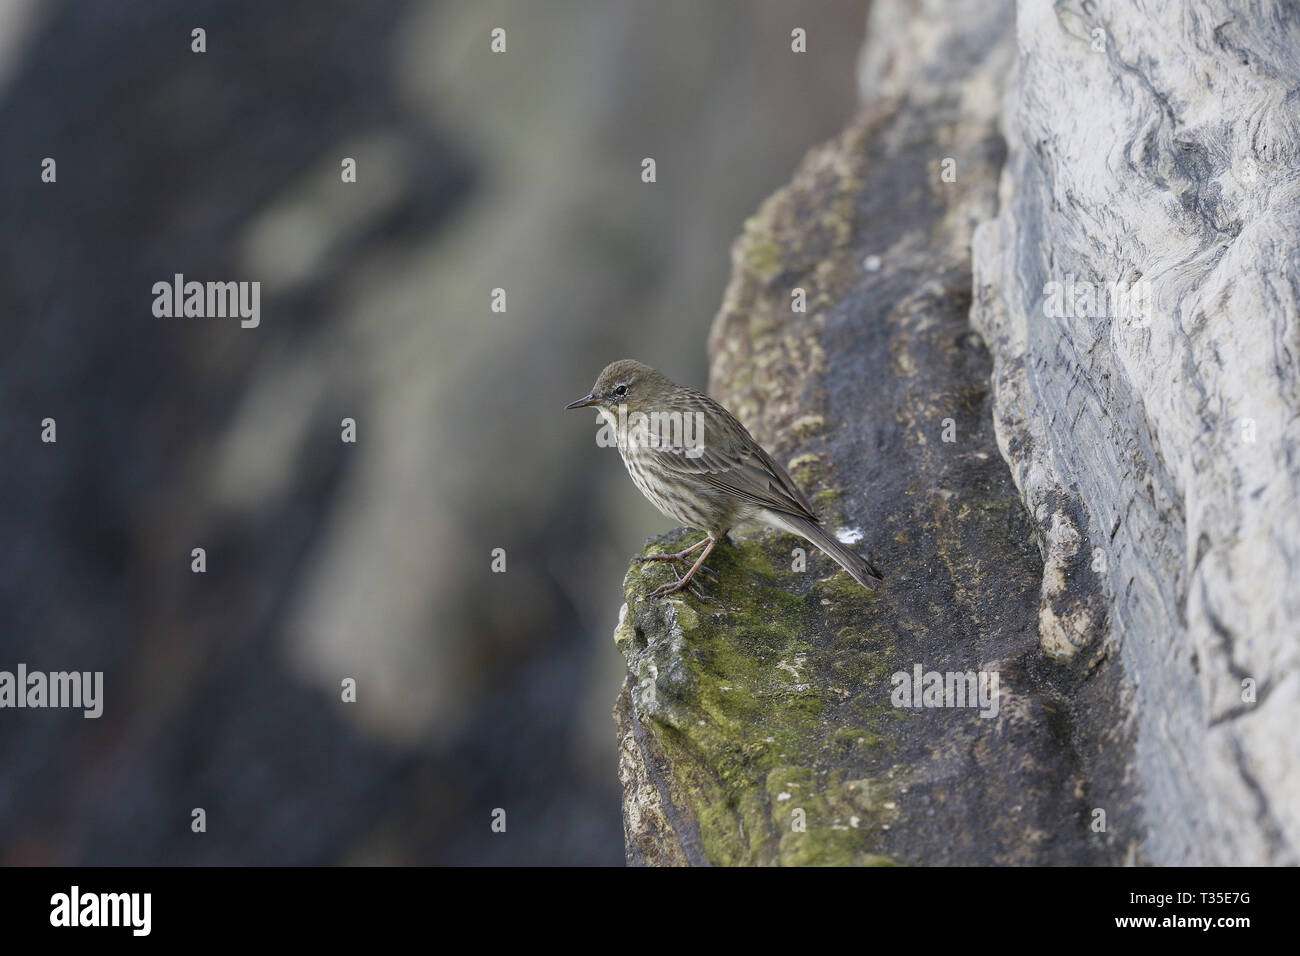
x=325, y=560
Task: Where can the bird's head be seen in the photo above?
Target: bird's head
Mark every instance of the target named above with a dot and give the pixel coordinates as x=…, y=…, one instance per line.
x=629, y=383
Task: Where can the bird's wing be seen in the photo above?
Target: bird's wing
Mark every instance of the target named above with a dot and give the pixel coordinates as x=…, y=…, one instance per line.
x=735, y=463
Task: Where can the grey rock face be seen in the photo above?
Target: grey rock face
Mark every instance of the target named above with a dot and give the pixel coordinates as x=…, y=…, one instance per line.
x=1153, y=152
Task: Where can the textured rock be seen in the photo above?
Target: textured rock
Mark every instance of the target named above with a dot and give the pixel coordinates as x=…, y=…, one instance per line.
x=1122, y=235
x=1158, y=145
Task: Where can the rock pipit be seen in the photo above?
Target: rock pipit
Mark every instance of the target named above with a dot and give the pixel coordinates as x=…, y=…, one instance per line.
x=699, y=466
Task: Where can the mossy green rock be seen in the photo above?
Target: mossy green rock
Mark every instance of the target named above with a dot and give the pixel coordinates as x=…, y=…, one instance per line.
x=737, y=690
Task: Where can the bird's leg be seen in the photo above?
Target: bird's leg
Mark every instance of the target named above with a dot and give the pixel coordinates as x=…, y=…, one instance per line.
x=685, y=581
x=679, y=556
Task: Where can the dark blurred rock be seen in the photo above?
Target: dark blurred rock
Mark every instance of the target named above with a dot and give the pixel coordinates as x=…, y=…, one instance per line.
x=476, y=690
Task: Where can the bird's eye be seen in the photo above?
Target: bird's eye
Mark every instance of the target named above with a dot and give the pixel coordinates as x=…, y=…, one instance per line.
x=621, y=391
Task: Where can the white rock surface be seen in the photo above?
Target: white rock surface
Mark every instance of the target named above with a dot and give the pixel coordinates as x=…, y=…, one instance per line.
x=1159, y=450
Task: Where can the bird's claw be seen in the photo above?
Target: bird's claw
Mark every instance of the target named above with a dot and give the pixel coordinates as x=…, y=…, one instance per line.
x=701, y=595
x=681, y=584
x=677, y=559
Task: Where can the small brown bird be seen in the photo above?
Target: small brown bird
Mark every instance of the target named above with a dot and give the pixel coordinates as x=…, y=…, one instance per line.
x=699, y=466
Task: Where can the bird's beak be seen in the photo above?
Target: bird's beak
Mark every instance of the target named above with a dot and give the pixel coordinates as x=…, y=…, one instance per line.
x=583, y=402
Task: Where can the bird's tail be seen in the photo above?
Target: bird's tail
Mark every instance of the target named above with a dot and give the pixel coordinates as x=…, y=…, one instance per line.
x=859, y=567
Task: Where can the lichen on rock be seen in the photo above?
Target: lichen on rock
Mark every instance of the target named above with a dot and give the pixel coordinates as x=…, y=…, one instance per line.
x=740, y=694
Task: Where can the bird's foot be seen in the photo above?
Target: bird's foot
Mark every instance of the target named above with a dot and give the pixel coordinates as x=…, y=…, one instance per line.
x=679, y=557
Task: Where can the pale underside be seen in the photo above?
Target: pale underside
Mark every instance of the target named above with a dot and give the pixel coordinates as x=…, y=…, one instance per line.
x=725, y=482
